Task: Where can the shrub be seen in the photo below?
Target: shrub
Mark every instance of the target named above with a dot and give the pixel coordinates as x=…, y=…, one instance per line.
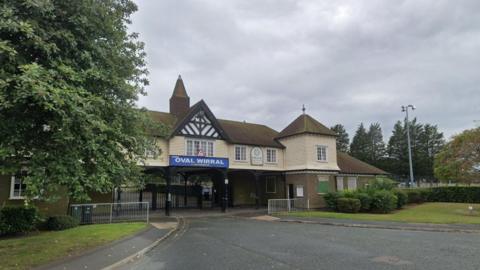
x=383, y=201
x=413, y=196
x=382, y=183
x=58, y=223
x=331, y=199
x=15, y=219
x=365, y=200
x=402, y=198
x=348, y=205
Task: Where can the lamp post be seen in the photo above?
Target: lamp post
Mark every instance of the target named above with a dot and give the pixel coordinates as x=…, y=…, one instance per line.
x=407, y=124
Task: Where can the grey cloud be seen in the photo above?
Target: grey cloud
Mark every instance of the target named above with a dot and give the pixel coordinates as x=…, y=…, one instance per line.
x=348, y=61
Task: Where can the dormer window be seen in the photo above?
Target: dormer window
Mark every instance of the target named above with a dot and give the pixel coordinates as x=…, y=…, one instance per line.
x=321, y=153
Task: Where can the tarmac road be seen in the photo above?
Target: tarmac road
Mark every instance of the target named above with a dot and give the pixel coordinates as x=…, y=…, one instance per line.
x=240, y=243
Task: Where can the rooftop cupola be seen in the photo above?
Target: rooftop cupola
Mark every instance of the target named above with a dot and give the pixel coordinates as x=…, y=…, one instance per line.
x=179, y=102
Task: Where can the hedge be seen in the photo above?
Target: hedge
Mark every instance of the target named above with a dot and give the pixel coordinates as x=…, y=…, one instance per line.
x=444, y=194
x=454, y=194
x=58, y=223
x=402, y=198
x=18, y=219
x=348, y=205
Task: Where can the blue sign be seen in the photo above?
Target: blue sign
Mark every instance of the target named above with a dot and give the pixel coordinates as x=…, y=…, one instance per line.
x=194, y=161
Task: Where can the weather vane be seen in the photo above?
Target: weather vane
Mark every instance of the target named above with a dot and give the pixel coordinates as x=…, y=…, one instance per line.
x=303, y=108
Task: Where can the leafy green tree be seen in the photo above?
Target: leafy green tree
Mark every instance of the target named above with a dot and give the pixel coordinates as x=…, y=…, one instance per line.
x=343, y=140
x=459, y=160
x=360, y=144
x=70, y=75
x=376, y=147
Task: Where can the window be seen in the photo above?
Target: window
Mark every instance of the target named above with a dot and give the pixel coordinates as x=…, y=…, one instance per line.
x=271, y=155
x=339, y=183
x=352, y=183
x=321, y=153
x=240, y=153
x=299, y=190
x=17, y=187
x=199, y=148
x=322, y=184
x=271, y=184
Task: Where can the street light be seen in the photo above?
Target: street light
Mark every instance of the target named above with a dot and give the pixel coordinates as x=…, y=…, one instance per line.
x=405, y=109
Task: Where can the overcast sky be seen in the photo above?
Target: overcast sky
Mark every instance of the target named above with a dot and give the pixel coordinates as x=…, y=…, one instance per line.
x=347, y=61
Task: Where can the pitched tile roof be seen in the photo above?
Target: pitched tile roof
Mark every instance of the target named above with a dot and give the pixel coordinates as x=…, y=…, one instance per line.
x=351, y=165
x=248, y=133
x=305, y=124
x=238, y=132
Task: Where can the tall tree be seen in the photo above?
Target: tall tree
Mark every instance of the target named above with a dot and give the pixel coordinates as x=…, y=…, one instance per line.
x=360, y=144
x=343, y=140
x=69, y=77
x=426, y=141
x=376, y=147
x=459, y=160
x=430, y=142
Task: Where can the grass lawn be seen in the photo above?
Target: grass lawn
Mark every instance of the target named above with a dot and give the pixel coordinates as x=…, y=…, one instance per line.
x=29, y=251
x=422, y=213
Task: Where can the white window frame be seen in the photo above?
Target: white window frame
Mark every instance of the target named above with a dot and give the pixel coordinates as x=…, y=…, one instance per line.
x=274, y=152
x=207, y=143
x=244, y=147
x=12, y=189
x=317, y=148
x=271, y=178
x=297, y=187
x=340, y=185
x=352, y=183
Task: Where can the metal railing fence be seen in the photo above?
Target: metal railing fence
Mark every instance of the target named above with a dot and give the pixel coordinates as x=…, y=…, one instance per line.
x=288, y=205
x=96, y=213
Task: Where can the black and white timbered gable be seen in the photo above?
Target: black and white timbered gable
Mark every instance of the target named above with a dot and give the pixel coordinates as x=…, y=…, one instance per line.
x=200, y=122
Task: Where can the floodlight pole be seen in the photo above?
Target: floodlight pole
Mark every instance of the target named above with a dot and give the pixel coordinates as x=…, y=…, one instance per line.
x=407, y=124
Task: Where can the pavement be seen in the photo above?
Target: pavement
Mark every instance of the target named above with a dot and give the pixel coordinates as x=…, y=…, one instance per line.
x=248, y=243
x=464, y=228
x=120, y=251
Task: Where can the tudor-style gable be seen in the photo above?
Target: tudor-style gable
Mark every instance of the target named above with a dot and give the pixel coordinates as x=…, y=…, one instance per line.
x=200, y=126
x=200, y=122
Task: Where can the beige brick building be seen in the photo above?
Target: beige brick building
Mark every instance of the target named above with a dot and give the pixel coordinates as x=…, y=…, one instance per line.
x=208, y=162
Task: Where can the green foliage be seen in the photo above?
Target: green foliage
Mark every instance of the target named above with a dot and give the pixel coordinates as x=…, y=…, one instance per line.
x=455, y=194
x=382, y=183
x=459, y=160
x=426, y=143
x=413, y=196
x=360, y=144
x=59, y=223
x=402, y=198
x=376, y=147
x=365, y=201
x=70, y=75
x=343, y=140
x=348, y=205
x=383, y=201
x=16, y=219
x=331, y=200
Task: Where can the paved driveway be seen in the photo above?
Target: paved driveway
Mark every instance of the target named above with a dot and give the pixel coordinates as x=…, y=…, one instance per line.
x=236, y=243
